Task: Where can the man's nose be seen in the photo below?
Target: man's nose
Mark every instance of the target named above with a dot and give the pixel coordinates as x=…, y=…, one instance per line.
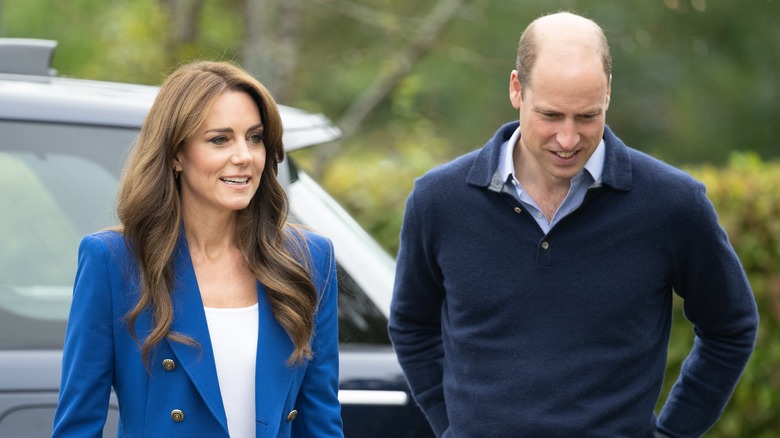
x=568, y=136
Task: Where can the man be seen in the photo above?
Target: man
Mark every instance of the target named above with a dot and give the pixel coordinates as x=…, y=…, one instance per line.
x=533, y=292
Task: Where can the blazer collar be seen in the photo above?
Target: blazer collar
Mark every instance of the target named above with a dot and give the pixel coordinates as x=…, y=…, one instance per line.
x=273, y=376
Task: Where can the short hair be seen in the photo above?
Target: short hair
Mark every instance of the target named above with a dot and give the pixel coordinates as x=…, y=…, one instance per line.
x=527, y=51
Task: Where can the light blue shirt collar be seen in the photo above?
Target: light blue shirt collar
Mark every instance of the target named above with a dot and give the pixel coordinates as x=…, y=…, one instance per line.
x=588, y=177
x=506, y=165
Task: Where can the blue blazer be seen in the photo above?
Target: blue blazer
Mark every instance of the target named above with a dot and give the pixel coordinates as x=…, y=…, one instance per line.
x=179, y=394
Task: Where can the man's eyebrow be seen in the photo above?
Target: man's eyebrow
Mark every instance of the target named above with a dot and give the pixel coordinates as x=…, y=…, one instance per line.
x=589, y=112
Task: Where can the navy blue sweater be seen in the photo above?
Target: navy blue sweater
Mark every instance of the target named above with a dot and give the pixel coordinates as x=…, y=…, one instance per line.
x=504, y=331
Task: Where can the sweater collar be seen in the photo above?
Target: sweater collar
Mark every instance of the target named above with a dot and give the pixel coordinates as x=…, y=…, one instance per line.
x=484, y=171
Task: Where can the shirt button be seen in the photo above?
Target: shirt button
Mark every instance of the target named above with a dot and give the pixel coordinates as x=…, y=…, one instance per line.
x=545, y=244
x=539, y=214
x=518, y=210
x=168, y=364
x=177, y=415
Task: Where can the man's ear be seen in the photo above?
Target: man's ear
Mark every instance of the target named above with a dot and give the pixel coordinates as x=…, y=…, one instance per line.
x=515, y=90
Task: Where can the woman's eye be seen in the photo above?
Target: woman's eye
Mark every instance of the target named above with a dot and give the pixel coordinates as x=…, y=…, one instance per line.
x=256, y=138
x=219, y=141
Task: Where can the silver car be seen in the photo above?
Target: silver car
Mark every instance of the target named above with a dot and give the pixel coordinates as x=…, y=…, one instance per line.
x=62, y=144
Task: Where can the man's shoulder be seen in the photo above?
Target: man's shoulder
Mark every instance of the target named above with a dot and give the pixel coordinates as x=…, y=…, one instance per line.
x=655, y=171
x=476, y=166
x=445, y=181
x=455, y=169
x=630, y=167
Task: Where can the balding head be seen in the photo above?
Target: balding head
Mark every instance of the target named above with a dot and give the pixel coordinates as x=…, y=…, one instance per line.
x=561, y=35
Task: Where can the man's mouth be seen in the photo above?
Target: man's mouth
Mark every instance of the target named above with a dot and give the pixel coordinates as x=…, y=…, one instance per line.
x=565, y=154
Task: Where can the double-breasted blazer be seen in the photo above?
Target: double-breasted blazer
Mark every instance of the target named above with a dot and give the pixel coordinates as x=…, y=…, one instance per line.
x=178, y=395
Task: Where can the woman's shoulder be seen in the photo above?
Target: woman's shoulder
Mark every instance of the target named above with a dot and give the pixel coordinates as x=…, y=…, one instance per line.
x=308, y=236
x=310, y=244
x=111, y=241
x=108, y=237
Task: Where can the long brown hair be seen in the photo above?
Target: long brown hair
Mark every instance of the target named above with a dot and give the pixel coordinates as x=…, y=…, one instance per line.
x=149, y=207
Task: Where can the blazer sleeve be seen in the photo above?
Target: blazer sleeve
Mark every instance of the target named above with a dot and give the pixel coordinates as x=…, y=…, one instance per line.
x=87, y=361
x=320, y=411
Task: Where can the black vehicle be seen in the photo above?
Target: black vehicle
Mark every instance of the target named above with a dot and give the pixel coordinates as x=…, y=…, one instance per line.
x=62, y=145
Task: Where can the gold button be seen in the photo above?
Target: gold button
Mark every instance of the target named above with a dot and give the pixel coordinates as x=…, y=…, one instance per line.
x=292, y=415
x=168, y=364
x=518, y=210
x=545, y=245
x=177, y=415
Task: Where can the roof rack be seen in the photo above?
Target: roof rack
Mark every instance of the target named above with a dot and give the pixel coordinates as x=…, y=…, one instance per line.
x=27, y=56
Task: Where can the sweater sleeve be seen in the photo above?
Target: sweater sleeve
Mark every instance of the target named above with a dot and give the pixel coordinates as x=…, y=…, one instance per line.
x=718, y=301
x=87, y=361
x=415, y=315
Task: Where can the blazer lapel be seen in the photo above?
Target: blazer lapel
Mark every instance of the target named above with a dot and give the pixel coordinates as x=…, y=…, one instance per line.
x=273, y=376
x=189, y=319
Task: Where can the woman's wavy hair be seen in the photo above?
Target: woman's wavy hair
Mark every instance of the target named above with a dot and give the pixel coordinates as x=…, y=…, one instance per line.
x=149, y=208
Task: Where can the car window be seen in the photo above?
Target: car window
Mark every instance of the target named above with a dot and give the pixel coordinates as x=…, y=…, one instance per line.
x=53, y=191
x=360, y=321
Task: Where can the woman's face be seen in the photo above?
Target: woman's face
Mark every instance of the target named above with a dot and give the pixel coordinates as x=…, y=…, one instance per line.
x=222, y=162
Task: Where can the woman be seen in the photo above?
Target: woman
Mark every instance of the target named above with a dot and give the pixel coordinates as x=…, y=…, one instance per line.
x=206, y=311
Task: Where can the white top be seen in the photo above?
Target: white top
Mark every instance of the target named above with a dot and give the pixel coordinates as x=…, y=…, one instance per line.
x=233, y=333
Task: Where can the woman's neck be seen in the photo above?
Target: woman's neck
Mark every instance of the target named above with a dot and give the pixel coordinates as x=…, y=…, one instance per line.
x=210, y=237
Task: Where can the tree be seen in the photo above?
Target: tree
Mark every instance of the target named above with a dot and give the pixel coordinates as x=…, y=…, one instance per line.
x=184, y=26
x=271, y=43
x=398, y=66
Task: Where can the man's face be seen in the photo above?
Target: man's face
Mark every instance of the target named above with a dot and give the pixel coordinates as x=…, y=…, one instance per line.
x=562, y=115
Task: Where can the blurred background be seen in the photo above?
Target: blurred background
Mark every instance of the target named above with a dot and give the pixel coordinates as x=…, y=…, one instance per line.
x=414, y=84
